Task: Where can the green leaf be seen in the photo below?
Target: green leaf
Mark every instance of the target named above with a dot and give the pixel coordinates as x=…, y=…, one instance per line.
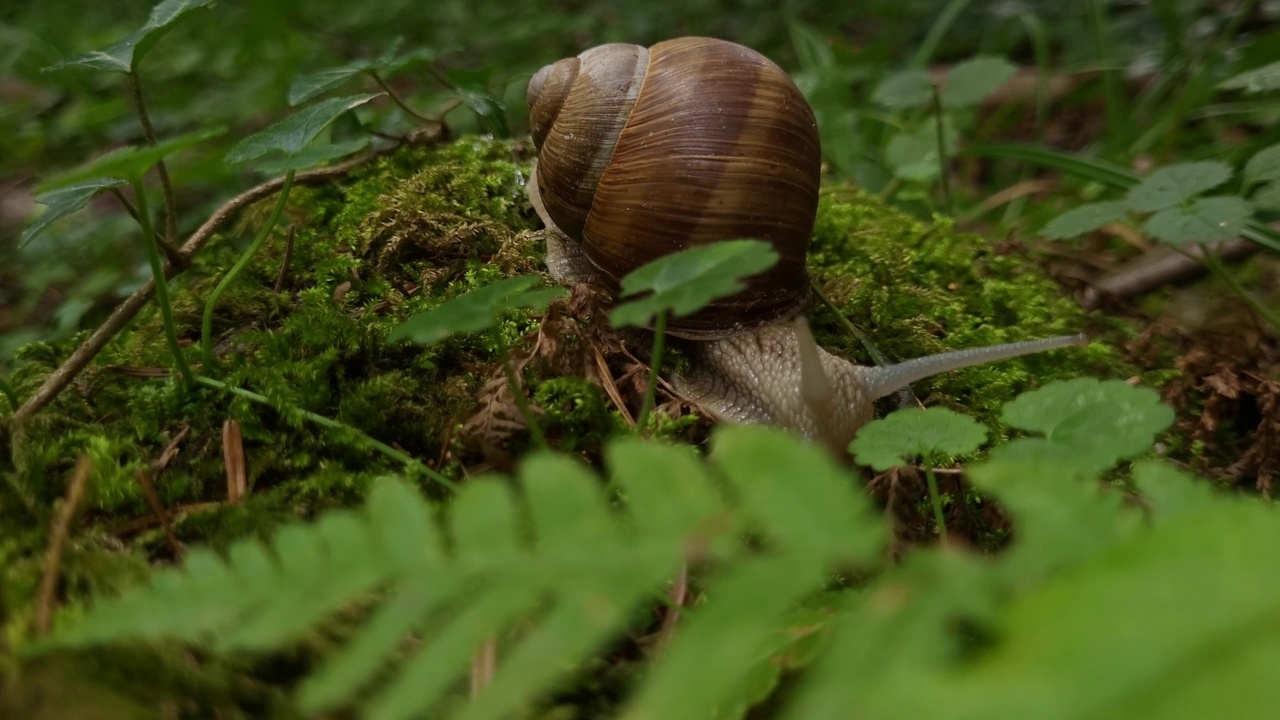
x=61, y=203
x=1172, y=184
x=1097, y=422
x=469, y=85
x=1257, y=80
x=1168, y=491
x=476, y=310
x=1085, y=219
x=904, y=89
x=1267, y=197
x=1264, y=165
x=1209, y=219
x=686, y=281
x=973, y=80
x=931, y=432
x=124, y=55
x=307, y=86
x=294, y=133
x=913, y=155
x=1177, y=623
x=128, y=163
x=313, y=156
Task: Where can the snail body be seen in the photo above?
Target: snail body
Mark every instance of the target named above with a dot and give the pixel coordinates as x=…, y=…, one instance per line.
x=646, y=151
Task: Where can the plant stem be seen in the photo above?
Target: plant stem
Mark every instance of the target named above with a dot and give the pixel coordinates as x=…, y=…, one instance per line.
x=399, y=101
x=522, y=402
x=162, y=284
x=332, y=424
x=128, y=206
x=942, y=150
x=1214, y=263
x=162, y=171
x=1117, y=125
x=7, y=390
x=651, y=389
x=936, y=500
x=936, y=31
x=206, y=326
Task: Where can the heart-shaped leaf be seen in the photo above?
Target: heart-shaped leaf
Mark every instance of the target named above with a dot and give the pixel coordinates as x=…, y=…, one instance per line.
x=123, y=55
x=888, y=442
x=128, y=163
x=297, y=131
x=686, y=281
x=60, y=203
x=476, y=310
x=1095, y=422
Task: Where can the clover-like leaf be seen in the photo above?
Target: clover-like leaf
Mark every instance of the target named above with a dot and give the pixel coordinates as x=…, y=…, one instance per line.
x=1209, y=219
x=1257, y=80
x=973, y=80
x=124, y=55
x=127, y=163
x=476, y=310
x=1264, y=165
x=297, y=131
x=307, y=86
x=889, y=441
x=1097, y=422
x=60, y=203
x=904, y=89
x=686, y=281
x=1084, y=219
x=313, y=156
x=1172, y=184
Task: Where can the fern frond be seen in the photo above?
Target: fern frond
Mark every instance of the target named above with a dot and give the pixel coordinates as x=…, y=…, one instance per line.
x=546, y=564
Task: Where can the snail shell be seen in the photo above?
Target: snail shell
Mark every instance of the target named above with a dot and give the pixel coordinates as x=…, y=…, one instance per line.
x=646, y=151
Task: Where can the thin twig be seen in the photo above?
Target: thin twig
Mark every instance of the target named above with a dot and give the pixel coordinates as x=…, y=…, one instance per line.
x=124, y=312
x=153, y=499
x=399, y=101
x=128, y=206
x=1162, y=266
x=162, y=171
x=284, y=262
x=46, y=597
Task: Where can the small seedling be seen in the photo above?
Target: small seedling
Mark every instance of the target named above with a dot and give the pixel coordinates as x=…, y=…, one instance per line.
x=680, y=284
x=929, y=433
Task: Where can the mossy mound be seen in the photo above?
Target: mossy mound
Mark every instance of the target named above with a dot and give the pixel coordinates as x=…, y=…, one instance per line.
x=369, y=250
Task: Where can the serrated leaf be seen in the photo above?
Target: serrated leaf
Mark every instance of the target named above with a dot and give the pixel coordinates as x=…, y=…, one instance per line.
x=61, y=203
x=973, y=80
x=904, y=89
x=1099, y=422
x=1085, y=219
x=124, y=55
x=686, y=281
x=1172, y=184
x=313, y=156
x=127, y=163
x=476, y=310
x=890, y=441
x=1209, y=219
x=1264, y=165
x=294, y=133
x=1257, y=80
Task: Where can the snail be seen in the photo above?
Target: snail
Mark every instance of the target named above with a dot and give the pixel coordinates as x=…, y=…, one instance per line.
x=646, y=151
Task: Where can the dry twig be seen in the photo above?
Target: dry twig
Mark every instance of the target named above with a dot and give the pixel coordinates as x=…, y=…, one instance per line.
x=46, y=596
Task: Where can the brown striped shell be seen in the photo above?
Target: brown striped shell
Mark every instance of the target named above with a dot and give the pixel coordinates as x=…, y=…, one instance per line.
x=642, y=152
